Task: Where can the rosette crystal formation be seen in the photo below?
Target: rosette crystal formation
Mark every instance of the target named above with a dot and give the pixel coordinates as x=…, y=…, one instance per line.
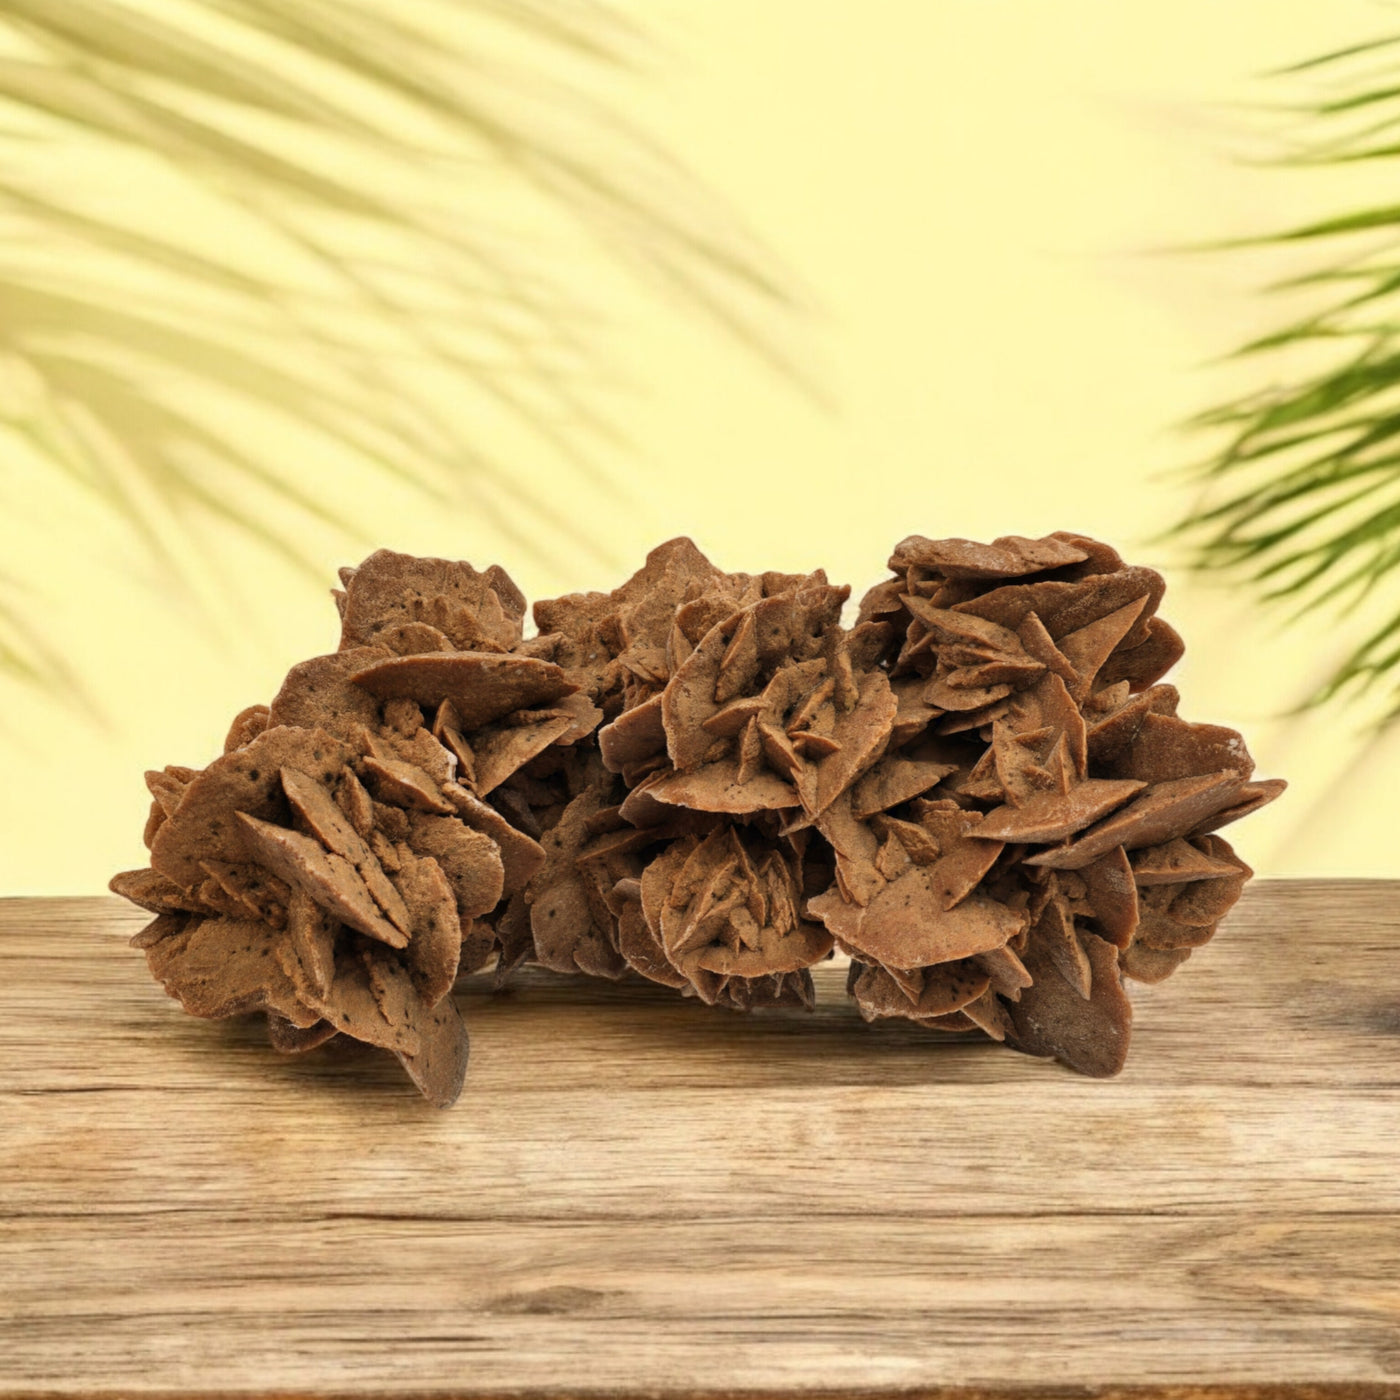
x=1071, y=840
x=338, y=865
x=737, y=709
x=980, y=791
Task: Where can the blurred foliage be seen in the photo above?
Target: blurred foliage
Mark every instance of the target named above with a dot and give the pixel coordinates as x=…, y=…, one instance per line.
x=376, y=146
x=1302, y=501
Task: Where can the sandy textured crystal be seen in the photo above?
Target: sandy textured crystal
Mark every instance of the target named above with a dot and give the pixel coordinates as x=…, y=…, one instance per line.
x=1077, y=812
x=979, y=790
x=337, y=867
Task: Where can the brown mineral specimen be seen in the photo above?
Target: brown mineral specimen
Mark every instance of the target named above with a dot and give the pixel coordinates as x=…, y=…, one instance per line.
x=740, y=710
x=980, y=791
x=337, y=866
x=1068, y=843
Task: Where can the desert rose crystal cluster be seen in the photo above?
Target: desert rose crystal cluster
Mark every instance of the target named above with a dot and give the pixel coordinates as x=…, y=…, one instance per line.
x=979, y=790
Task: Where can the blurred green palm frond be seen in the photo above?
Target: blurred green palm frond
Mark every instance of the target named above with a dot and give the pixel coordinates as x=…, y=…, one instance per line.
x=305, y=213
x=1302, y=501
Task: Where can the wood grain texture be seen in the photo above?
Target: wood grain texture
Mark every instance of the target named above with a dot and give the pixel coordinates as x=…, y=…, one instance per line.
x=641, y=1195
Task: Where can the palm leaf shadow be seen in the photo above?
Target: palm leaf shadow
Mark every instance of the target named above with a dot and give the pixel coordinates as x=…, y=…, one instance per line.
x=325, y=129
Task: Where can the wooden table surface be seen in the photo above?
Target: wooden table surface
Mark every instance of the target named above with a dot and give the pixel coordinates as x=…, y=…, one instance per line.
x=639, y=1195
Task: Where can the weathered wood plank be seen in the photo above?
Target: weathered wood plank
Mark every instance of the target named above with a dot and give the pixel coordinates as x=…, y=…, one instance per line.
x=355, y=1303
x=637, y=1194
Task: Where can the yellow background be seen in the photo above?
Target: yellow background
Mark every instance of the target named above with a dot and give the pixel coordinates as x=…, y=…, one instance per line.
x=977, y=196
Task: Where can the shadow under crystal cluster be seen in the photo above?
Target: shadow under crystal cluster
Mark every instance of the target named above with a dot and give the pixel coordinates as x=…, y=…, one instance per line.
x=980, y=791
